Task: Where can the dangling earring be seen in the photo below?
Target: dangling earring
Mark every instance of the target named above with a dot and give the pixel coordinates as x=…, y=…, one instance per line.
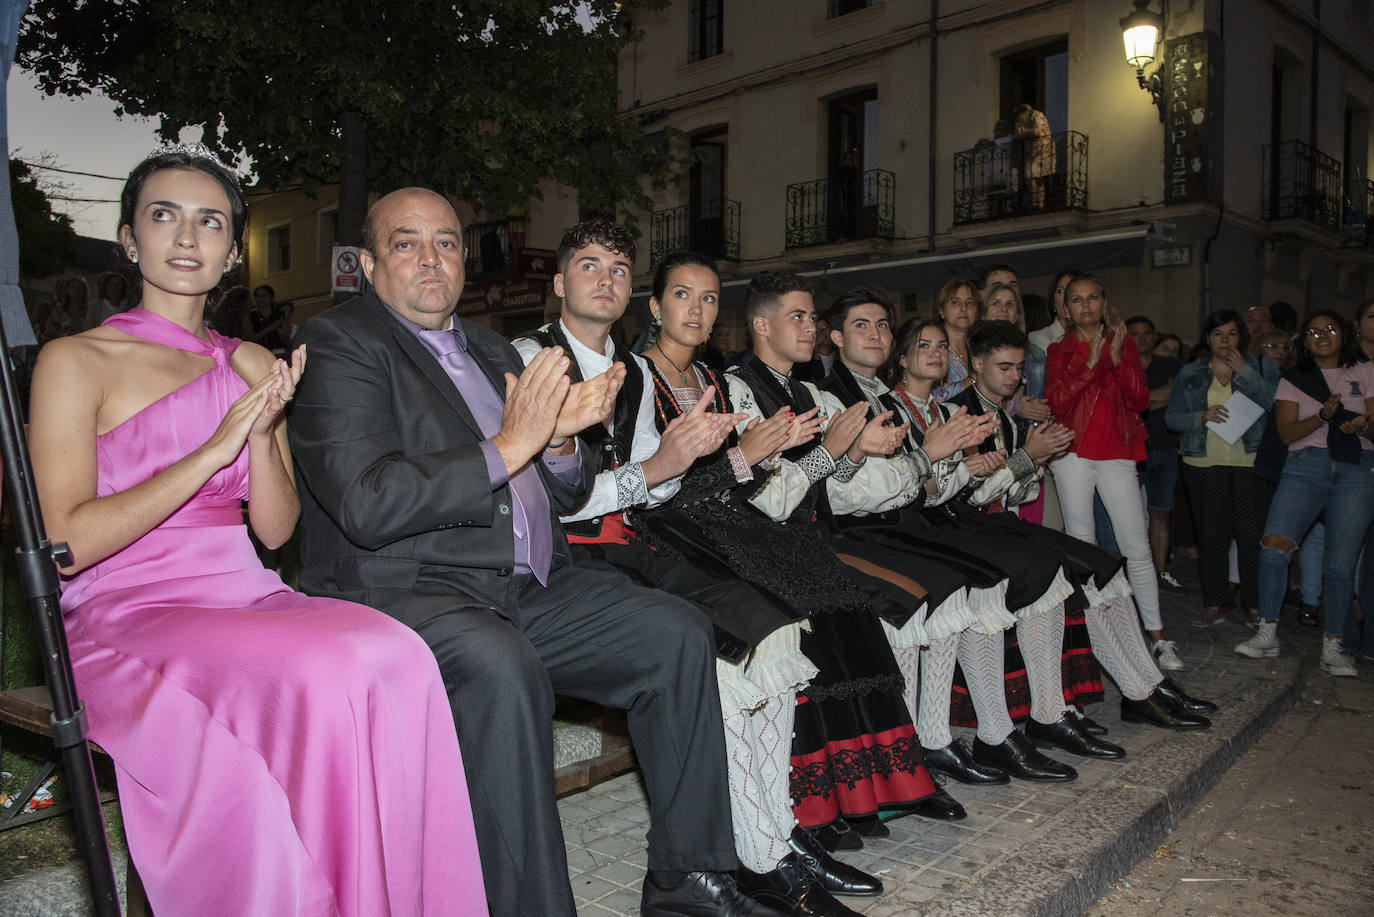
x=133, y=256
x=655, y=322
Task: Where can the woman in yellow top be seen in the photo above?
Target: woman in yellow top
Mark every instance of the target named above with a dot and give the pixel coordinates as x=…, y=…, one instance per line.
x=1228, y=500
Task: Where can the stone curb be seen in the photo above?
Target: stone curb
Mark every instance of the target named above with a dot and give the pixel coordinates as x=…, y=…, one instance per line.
x=1117, y=825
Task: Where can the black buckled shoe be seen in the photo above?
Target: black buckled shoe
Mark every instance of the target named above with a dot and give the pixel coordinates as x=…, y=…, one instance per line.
x=1157, y=710
x=1090, y=726
x=1017, y=757
x=793, y=890
x=835, y=877
x=941, y=806
x=701, y=894
x=1067, y=735
x=838, y=836
x=1176, y=695
x=956, y=762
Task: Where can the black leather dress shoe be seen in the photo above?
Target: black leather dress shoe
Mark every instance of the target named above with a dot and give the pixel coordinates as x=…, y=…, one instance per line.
x=1175, y=693
x=700, y=894
x=956, y=762
x=1157, y=710
x=1065, y=734
x=869, y=826
x=941, y=807
x=835, y=877
x=839, y=836
x=1090, y=726
x=1017, y=757
x=791, y=889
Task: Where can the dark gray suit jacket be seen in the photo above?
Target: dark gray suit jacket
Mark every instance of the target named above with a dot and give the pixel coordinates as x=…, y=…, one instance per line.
x=395, y=494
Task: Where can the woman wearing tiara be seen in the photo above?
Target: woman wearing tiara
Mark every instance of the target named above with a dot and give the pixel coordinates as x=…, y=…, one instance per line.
x=276, y=754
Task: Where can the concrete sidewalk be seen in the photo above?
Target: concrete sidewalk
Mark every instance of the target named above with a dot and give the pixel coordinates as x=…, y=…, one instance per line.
x=1025, y=849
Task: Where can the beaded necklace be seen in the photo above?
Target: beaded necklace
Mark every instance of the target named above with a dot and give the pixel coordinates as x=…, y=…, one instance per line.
x=916, y=411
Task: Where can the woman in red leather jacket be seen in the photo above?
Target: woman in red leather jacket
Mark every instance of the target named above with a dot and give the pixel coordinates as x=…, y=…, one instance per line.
x=1096, y=386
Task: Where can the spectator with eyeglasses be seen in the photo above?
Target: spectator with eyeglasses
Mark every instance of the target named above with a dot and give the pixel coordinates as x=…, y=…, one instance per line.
x=1227, y=499
x=1277, y=345
x=1322, y=412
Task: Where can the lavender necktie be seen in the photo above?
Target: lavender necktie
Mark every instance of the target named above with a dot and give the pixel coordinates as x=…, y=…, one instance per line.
x=530, y=509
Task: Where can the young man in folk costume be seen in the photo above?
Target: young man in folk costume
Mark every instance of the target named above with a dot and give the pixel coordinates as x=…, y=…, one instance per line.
x=1108, y=608
x=855, y=749
x=759, y=664
x=1031, y=585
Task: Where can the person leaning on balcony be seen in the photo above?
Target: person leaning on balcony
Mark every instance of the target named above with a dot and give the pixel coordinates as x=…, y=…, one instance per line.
x=1229, y=501
x=1037, y=150
x=1095, y=384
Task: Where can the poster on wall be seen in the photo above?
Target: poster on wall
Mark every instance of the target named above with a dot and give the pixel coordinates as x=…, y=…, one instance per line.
x=1191, y=76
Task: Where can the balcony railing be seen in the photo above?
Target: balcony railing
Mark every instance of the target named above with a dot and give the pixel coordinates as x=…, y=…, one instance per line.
x=998, y=181
x=1302, y=183
x=711, y=228
x=491, y=247
x=1357, y=212
x=841, y=209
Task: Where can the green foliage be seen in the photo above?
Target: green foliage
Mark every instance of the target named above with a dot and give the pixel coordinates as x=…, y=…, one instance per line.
x=480, y=99
x=47, y=241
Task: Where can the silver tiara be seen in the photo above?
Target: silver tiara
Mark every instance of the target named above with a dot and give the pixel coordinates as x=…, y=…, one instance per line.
x=197, y=150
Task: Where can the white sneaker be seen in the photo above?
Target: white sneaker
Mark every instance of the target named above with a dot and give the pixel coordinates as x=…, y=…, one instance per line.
x=1333, y=661
x=1170, y=580
x=1263, y=644
x=1166, y=656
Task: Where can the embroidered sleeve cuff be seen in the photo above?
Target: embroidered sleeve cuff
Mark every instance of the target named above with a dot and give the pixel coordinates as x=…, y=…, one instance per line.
x=1022, y=465
x=817, y=464
x=845, y=469
x=630, y=489
x=921, y=462
x=739, y=464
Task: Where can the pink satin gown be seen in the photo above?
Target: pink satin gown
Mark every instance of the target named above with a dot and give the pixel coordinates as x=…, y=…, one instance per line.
x=276, y=754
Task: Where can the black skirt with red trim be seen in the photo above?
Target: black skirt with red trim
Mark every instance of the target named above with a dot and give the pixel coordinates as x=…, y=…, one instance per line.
x=854, y=748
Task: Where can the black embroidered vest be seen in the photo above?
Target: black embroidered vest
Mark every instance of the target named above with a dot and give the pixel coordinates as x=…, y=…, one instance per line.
x=771, y=398
x=843, y=385
x=1014, y=430
x=611, y=447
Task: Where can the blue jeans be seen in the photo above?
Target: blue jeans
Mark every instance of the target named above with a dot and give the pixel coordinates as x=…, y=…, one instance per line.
x=1312, y=484
x=1106, y=535
x=1160, y=477
x=1359, y=636
x=1310, y=563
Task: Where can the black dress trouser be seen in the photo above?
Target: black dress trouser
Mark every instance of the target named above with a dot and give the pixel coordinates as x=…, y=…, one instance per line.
x=505, y=645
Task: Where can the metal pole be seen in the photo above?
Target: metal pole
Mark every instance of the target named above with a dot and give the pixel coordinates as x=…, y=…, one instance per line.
x=38, y=577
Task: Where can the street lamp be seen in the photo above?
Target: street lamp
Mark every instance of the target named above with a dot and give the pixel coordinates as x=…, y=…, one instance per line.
x=1140, y=32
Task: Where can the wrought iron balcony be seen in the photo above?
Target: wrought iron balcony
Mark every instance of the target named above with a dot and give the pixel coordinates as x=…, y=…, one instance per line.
x=491, y=246
x=710, y=227
x=860, y=206
x=1357, y=212
x=1302, y=183
x=999, y=181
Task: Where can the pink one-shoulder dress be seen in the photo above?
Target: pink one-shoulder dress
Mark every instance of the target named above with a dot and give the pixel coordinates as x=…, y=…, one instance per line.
x=276, y=754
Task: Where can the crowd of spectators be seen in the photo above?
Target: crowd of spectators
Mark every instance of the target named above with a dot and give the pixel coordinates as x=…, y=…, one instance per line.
x=1225, y=425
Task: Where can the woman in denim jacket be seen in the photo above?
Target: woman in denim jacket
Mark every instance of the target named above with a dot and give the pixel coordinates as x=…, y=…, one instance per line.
x=1228, y=499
